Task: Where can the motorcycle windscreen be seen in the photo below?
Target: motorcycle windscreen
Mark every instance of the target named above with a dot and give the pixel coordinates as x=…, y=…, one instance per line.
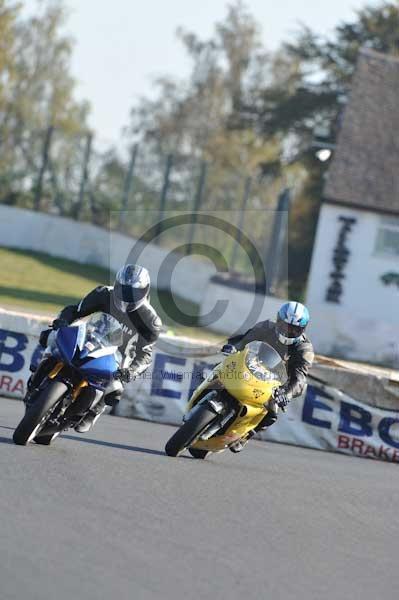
x=99, y=357
x=102, y=331
x=265, y=362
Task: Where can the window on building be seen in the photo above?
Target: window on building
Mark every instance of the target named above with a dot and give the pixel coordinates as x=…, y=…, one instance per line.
x=387, y=242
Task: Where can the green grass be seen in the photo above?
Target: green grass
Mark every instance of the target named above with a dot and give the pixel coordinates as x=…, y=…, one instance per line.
x=37, y=282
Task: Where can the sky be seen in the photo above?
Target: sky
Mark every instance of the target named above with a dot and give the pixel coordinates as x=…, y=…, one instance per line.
x=122, y=45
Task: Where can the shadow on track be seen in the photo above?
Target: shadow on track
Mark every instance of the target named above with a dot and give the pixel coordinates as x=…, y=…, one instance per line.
x=4, y=440
x=118, y=446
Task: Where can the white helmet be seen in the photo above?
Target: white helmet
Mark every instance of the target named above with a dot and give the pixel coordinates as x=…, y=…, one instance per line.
x=131, y=288
x=292, y=319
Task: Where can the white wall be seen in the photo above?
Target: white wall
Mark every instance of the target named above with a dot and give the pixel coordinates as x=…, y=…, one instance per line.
x=240, y=302
x=88, y=244
x=365, y=324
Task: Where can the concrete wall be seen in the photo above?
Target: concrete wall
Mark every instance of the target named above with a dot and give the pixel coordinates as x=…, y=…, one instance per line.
x=365, y=324
x=238, y=315
x=88, y=244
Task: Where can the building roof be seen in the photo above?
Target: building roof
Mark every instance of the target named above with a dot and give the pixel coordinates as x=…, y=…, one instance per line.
x=364, y=172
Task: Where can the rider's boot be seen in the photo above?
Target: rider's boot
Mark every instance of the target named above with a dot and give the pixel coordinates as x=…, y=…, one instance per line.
x=239, y=445
x=92, y=415
x=265, y=423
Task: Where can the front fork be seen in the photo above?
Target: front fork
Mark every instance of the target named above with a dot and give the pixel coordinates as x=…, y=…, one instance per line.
x=211, y=399
x=49, y=369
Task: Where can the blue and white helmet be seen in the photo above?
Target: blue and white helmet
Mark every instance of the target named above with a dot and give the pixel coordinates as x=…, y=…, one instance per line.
x=292, y=319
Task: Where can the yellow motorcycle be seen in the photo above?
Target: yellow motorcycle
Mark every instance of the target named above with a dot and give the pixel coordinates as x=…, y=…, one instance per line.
x=230, y=402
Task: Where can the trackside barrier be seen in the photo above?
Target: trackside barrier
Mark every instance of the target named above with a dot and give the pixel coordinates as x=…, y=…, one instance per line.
x=30, y=230
x=325, y=418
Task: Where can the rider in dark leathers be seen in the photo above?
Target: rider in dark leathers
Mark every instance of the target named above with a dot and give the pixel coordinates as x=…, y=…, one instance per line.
x=287, y=336
x=127, y=301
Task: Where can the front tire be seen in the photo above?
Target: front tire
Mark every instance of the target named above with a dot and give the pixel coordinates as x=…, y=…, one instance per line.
x=197, y=453
x=45, y=440
x=37, y=414
x=189, y=431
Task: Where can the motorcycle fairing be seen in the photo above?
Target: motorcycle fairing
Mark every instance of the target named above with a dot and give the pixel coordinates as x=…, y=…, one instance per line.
x=87, y=353
x=251, y=393
x=103, y=366
x=68, y=340
x=98, y=365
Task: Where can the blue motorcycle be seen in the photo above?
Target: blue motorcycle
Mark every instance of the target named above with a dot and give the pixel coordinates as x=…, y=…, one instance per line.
x=84, y=359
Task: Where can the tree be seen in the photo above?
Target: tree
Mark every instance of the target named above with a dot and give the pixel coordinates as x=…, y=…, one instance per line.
x=38, y=92
x=196, y=119
x=193, y=118
x=8, y=15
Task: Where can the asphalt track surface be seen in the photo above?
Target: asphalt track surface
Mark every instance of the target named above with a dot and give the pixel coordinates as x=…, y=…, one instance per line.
x=108, y=515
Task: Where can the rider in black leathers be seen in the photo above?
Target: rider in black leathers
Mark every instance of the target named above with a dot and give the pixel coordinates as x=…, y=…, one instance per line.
x=287, y=336
x=128, y=302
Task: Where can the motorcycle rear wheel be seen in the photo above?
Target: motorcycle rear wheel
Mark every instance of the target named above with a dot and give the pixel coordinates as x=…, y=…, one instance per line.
x=37, y=414
x=189, y=431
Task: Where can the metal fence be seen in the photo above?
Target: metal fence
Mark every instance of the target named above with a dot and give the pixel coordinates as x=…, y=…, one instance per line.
x=70, y=176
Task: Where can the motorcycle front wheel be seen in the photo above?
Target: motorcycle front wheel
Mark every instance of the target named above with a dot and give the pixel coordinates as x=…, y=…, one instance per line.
x=37, y=414
x=186, y=435
x=197, y=453
x=45, y=440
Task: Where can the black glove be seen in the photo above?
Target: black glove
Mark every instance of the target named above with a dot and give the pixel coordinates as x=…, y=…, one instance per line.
x=281, y=398
x=58, y=323
x=229, y=349
x=124, y=375
x=43, y=338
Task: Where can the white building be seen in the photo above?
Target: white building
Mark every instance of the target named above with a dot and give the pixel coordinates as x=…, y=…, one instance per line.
x=353, y=291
